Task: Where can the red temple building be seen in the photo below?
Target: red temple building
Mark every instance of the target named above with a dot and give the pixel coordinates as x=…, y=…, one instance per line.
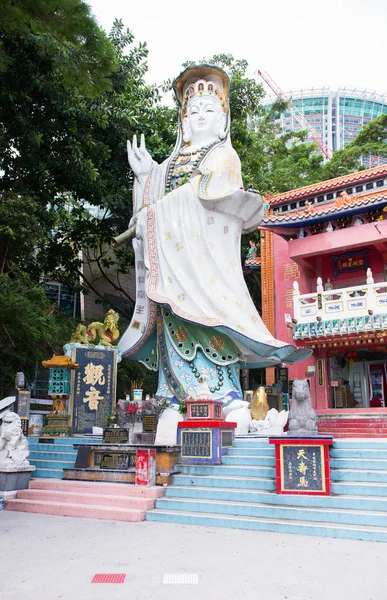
x=324, y=286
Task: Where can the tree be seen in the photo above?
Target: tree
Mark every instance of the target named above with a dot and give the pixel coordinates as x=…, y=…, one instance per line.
x=68, y=153
x=30, y=328
x=370, y=143
x=81, y=49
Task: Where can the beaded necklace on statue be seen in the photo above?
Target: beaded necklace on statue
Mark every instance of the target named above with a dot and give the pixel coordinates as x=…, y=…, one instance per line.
x=183, y=164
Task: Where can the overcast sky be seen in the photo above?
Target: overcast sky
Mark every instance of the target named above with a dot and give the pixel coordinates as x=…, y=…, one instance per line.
x=300, y=43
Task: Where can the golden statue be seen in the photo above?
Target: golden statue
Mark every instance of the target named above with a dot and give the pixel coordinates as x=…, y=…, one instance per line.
x=259, y=405
x=106, y=333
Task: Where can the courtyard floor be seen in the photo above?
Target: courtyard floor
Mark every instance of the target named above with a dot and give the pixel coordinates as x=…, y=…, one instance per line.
x=49, y=557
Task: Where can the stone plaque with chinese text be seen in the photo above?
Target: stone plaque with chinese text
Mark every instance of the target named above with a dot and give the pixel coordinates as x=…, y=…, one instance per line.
x=199, y=411
x=303, y=468
x=114, y=460
x=115, y=435
x=196, y=444
x=149, y=423
x=93, y=388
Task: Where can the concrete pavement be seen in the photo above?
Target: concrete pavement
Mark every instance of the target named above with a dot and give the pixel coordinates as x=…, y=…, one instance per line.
x=47, y=557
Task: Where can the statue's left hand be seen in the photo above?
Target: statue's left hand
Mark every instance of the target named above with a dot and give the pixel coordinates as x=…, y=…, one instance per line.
x=140, y=160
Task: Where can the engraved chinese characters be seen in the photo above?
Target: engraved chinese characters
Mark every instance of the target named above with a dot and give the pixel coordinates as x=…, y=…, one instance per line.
x=196, y=444
x=303, y=468
x=94, y=388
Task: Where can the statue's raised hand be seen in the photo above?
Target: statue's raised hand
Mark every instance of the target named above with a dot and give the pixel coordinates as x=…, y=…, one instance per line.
x=140, y=160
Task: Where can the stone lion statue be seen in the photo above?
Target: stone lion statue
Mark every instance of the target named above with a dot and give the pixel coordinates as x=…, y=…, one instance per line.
x=13, y=443
x=302, y=417
x=104, y=333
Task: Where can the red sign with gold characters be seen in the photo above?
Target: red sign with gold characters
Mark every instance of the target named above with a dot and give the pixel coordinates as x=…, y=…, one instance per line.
x=351, y=261
x=302, y=465
x=146, y=467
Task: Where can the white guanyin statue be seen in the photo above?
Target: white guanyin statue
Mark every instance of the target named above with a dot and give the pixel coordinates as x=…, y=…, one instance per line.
x=193, y=312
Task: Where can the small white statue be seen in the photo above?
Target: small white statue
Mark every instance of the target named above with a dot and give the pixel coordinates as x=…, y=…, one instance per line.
x=171, y=413
x=13, y=443
x=273, y=424
x=240, y=414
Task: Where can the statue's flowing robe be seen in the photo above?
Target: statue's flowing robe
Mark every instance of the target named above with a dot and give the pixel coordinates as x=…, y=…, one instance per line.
x=187, y=250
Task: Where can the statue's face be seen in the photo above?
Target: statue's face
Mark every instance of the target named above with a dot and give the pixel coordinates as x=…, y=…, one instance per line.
x=204, y=115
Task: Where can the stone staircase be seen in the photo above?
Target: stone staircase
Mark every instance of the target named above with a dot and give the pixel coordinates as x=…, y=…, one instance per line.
x=353, y=423
x=240, y=493
x=111, y=501
x=51, y=455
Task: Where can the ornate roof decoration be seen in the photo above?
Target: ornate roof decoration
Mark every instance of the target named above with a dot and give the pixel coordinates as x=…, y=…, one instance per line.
x=330, y=184
x=60, y=362
x=346, y=203
x=253, y=263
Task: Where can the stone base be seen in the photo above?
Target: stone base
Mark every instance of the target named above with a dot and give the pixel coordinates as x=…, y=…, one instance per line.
x=204, y=442
x=112, y=476
x=13, y=478
x=57, y=425
x=144, y=438
x=91, y=462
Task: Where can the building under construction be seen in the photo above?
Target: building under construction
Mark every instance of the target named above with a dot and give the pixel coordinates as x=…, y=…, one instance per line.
x=333, y=118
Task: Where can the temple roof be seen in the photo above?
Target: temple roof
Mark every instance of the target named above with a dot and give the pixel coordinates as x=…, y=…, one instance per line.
x=345, y=205
x=330, y=184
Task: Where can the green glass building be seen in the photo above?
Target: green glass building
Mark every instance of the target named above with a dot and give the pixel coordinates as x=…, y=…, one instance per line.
x=337, y=116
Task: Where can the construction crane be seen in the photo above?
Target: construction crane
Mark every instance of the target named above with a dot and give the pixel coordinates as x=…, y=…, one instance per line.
x=297, y=115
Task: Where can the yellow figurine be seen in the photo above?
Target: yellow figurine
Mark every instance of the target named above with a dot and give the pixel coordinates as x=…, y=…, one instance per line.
x=259, y=405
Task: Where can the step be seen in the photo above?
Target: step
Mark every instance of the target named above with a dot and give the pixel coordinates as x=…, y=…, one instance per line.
x=51, y=473
x=356, y=532
x=46, y=463
x=361, y=443
x=350, y=502
x=94, y=487
x=72, y=497
x=351, y=463
x=353, y=475
x=279, y=512
x=227, y=470
x=242, y=451
x=368, y=489
x=251, y=483
x=52, y=448
x=76, y=510
x=251, y=442
x=350, y=422
x=354, y=435
x=352, y=429
x=363, y=453
x=257, y=461
x=59, y=441
x=47, y=455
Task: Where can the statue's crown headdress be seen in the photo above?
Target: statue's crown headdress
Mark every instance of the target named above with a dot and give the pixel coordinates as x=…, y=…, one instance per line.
x=201, y=80
x=201, y=87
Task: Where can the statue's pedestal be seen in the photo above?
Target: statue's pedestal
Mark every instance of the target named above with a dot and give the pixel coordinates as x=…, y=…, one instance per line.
x=117, y=462
x=302, y=465
x=57, y=425
x=205, y=441
x=14, y=477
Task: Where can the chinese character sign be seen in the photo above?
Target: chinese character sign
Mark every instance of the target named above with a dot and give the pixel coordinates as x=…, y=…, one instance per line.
x=351, y=261
x=93, y=388
x=303, y=468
